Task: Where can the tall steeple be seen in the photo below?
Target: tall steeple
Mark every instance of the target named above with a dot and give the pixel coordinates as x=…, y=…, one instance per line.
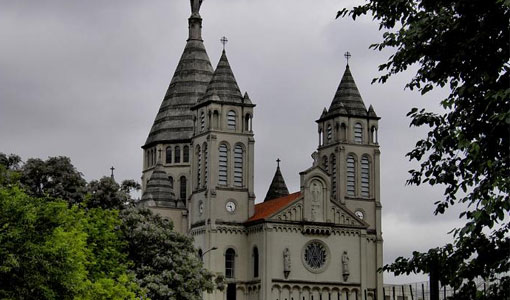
x=278, y=188
x=347, y=97
x=174, y=121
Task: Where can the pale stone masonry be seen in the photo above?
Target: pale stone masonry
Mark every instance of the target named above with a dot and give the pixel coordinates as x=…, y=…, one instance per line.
x=323, y=242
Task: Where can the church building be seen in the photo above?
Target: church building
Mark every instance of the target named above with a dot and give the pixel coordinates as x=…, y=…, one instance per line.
x=323, y=242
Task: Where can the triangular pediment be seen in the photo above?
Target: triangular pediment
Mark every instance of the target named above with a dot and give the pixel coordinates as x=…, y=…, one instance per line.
x=341, y=215
x=292, y=212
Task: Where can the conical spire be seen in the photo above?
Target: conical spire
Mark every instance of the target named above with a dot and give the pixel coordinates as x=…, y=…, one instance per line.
x=174, y=121
x=347, y=97
x=159, y=191
x=278, y=188
x=223, y=83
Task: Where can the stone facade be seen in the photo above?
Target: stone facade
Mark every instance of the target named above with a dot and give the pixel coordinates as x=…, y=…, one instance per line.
x=320, y=243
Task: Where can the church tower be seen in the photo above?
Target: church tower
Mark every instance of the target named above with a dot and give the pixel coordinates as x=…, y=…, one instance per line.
x=222, y=172
x=171, y=132
x=349, y=151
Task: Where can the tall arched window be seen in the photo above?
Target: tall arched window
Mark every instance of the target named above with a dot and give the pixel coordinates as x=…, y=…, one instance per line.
x=171, y=181
x=365, y=176
x=358, y=133
x=333, y=174
x=168, y=155
x=199, y=167
x=343, y=132
x=202, y=121
x=329, y=133
x=230, y=257
x=185, y=154
x=216, y=119
x=147, y=163
x=325, y=163
x=231, y=120
x=200, y=255
x=247, y=118
x=177, y=157
x=238, y=165
x=223, y=165
x=183, y=188
x=351, y=175
x=206, y=175
x=255, y=262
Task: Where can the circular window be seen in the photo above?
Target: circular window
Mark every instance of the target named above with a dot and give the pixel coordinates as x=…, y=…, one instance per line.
x=315, y=256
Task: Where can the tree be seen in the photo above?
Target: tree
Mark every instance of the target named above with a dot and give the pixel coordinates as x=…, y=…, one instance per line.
x=49, y=250
x=56, y=177
x=165, y=261
x=107, y=193
x=463, y=45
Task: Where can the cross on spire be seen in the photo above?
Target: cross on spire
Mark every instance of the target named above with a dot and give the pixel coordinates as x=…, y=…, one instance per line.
x=224, y=41
x=278, y=162
x=347, y=55
x=112, y=168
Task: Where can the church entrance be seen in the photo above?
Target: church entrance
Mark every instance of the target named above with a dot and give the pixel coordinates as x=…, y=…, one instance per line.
x=231, y=291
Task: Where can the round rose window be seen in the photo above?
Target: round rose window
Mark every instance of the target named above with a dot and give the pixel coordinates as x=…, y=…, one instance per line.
x=315, y=255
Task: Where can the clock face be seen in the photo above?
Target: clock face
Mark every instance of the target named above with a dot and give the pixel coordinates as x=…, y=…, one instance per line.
x=359, y=214
x=201, y=207
x=230, y=206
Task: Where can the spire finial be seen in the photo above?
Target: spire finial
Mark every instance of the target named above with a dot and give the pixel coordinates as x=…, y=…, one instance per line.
x=347, y=55
x=278, y=162
x=224, y=41
x=112, y=168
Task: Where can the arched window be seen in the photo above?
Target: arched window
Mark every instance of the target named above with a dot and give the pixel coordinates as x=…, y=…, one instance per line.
x=247, y=122
x=374, y=135
x=255, y=262
x=200, y=255
x=325, y=163
x=199, y=167
x=168, y=155
x=238, y=165
x=365, y=176
x=333, y=174
x=329, y=133
x=223, y=165
x=147, y=163
x=183, y=188
x=202, y=121
x=351, y=175
x=358, y=133
x=343, y=132
x=206, y=175
x=230, y=257
x=216, y=119
x=171, y=181
x=185, y=154
x=231, y=120
x=177, y=158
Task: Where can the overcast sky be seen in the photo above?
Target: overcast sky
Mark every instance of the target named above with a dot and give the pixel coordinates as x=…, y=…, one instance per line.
x=85, y=79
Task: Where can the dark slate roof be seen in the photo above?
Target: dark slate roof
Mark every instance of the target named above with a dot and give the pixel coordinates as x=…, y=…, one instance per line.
x=278, y=188
x=223, y=84
x=159, y=191
x=174, y=121
x=347, y=98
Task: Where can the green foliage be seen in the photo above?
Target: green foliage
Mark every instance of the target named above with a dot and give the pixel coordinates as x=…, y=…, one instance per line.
x=51, y=251
x=56, y=178
x=464, y=45
x=106, y=193
x=164, y=261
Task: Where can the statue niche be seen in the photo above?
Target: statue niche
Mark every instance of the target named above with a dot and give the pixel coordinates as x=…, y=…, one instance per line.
x=317, y=201
x=286, y=262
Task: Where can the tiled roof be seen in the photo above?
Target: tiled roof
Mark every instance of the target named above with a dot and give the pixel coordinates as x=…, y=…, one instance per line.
x=159, y=189
x=266, y=209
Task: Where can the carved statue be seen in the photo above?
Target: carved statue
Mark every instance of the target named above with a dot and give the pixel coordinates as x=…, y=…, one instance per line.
x=345, y=266
x=316, y=191
x=315, y=157
x=286, y=262
x=195, y=6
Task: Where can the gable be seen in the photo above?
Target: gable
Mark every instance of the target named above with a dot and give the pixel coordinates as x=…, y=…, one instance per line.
x=341, y=215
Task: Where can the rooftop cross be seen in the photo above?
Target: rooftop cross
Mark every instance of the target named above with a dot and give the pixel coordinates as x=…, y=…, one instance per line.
x=112, y=168
x=347, y=56
x=278, y=162
x=224, y=41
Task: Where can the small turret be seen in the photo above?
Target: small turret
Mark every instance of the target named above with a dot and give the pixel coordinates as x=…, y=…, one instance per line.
x=278, y=188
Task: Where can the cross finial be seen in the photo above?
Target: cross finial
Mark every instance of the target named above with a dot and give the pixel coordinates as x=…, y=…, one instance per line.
x=347, y=56
x=278, y=162
x=224, y=41
x=112, y=168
